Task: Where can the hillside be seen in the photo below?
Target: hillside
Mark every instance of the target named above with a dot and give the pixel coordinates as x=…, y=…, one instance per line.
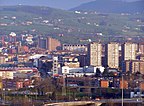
x=112, y=6
x=61, y=4
x=74, y=26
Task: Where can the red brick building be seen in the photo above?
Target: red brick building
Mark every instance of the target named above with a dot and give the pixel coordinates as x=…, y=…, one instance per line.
x=124, y=85
x=104, y=84
x=48, y=43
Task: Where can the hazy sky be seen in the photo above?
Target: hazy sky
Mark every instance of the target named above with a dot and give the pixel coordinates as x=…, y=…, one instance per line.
x=63, y=4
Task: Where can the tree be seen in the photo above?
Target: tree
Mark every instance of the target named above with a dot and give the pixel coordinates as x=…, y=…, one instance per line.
x=105, y=73
x=98, y=72
x=111, y=74
x=49, y=86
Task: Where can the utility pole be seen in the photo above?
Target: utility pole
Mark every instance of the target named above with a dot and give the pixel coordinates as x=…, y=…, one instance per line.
x=64, y=85
x=140, y=80
x=122, y=91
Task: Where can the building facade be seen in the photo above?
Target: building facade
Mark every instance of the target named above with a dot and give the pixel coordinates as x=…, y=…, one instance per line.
x=72, y=62
x=55, y=65
x=137, y=66
x=141, y=48
x=75, y=47
x=42, y=42
x=52, y=44
x=48, y=43
x=95, y=54
x=112, y=55
x=2, y=59
x=129, y=51
x=6, y=74
x=134, y=66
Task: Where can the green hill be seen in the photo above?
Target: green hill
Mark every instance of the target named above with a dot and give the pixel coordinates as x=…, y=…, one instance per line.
x=48, y=21
x=113, y=6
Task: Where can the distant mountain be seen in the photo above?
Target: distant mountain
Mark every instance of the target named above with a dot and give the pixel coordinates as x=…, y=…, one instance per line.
x=112, y=6
x=36, y=10
x=61, y=4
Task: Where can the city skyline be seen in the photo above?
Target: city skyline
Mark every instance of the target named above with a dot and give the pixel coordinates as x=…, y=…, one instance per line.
x=77, y=52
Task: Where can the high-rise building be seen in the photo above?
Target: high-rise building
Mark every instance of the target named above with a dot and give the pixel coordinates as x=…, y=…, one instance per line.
x=141, y=57
x=48, y=43
x=52, y=44
x=129, y=51
x=95, y=54
x=133, y=66
x=137, y=66
x=141, y=48
x=42, y=42
x=112, y=55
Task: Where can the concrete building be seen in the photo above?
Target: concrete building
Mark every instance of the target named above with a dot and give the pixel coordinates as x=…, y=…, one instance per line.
x=137, y=66
x=83, y=60
x=2, y=59
x=141, y=48
x=55, y=65
x=52, y=44
x=72, y=62
x=141, y=57
x=142, y=86
x=6, y=74
x=81, y=71
x=23, y=49
x=74, y=71
x=133, y=66
x=126, y=65
x=129, y=51
x=75, y=47
x=95, y=54
x=48, y=43
x=42, y=42
x=112, y=55
x=22, y=58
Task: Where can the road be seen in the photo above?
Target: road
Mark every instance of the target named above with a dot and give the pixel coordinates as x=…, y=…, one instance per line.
x=96, y=102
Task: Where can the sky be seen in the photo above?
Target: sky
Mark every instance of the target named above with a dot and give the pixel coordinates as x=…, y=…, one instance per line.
x=61, y=4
